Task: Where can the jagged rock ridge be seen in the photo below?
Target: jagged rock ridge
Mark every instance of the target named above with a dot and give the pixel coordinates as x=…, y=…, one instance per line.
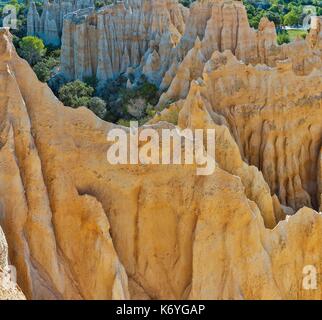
x=154, y=38
x=275, y=117
x=79, y=227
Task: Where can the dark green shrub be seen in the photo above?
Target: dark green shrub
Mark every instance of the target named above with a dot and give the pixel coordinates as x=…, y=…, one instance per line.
x=75, y=94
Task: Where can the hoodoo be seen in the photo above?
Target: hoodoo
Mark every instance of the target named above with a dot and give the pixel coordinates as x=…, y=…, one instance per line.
x=49, y=24
x=156, y=38
x=73, y=213
x=79, y=227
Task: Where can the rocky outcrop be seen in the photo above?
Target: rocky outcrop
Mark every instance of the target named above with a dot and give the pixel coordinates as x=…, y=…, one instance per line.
x=107, y=42
x=273, y=110
x=249, y=46
x=198, y=111
x=80, y=227
x=49, y=24
x=275, y=118
x=51, y=263
x=154, y=38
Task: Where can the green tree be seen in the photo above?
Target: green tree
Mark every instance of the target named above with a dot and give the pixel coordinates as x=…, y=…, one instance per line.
x=75, y=94
x=44, y=68
x=283, y=37
x=273, y=16
x=32, y=49
x=292, y=18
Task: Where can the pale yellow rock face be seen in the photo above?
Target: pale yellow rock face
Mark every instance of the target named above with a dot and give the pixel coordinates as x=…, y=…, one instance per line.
x=273, y=109
x=219, y=278
x=275, y=117
x=51, y=263
x=78, y=227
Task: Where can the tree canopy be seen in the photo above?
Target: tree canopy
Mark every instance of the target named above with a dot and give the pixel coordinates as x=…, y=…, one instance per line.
x=32, y=49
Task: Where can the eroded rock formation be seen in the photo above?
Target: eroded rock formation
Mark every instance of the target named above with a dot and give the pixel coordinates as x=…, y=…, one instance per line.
x=79, y=227
x=275, y=117
x=154, y=38
x=49, y=24
x=107, y=42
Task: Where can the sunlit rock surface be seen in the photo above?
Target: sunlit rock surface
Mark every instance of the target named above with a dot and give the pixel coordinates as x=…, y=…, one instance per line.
x=156, y=37
x=78, y=227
